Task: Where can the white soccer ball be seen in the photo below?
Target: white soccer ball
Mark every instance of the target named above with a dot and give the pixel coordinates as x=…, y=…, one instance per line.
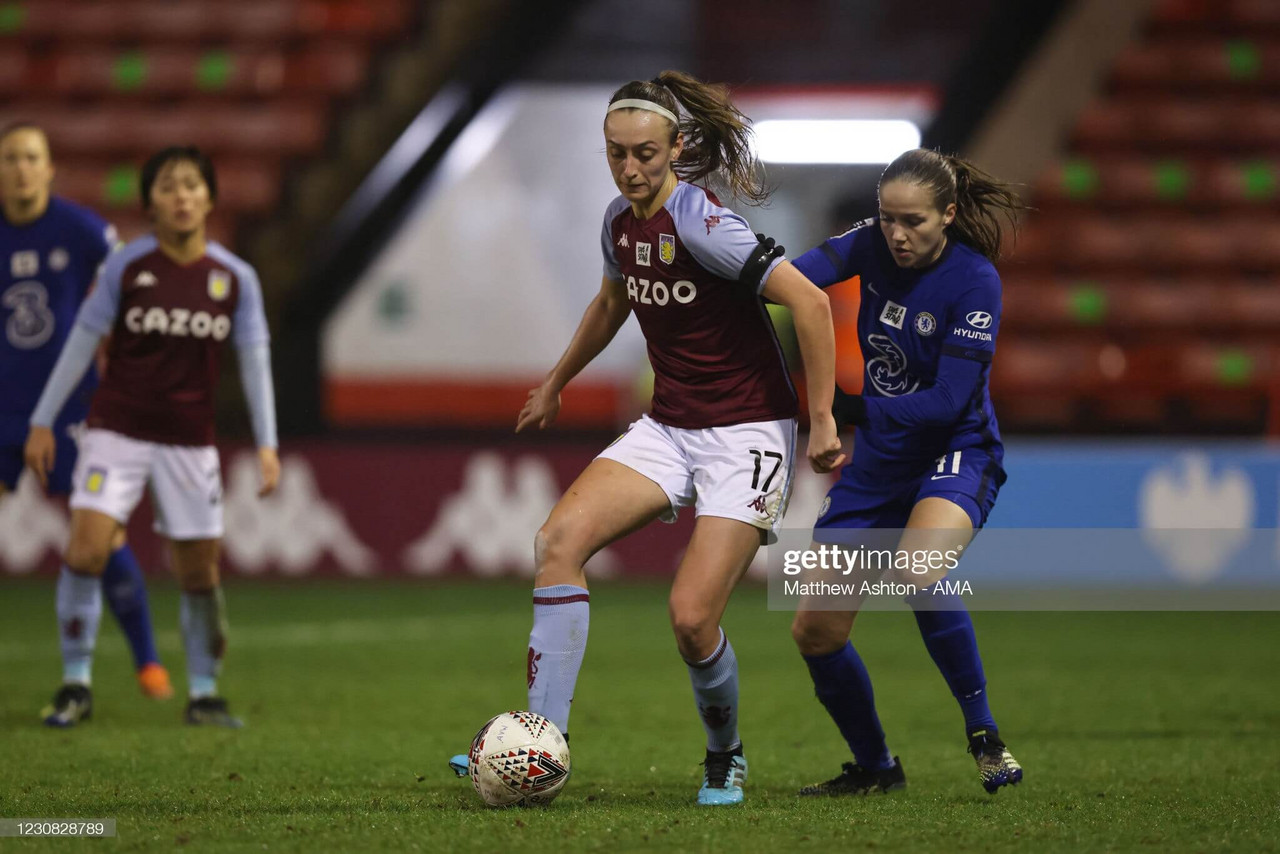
x=518, y=758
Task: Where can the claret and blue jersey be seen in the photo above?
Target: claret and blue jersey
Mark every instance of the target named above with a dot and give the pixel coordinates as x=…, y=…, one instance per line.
x=927, y=339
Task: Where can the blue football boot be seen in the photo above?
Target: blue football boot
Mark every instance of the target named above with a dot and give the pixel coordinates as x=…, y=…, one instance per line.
x=723, y=777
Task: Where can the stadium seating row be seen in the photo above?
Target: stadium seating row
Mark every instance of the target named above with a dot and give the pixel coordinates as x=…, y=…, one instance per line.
x=1155, y=306
x=1104, y=367
x=1089, y=240
x=242, y=21
x=245, y=185
x=329, y=69
x=1175, y=123
x=287, y=127
x=1200, y=15
x=1119, y=180
x=1206, y=62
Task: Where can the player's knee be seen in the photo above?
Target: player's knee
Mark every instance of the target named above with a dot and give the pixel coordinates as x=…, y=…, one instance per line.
x=87, y=555
x=556, y=551
x=815, y=636
x=696, y=629
x=199, y=578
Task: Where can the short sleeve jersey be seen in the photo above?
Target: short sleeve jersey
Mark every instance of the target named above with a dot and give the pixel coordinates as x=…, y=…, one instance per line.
x=716, y=358
x=168, y=323
x=46, y=269
x=908, y=320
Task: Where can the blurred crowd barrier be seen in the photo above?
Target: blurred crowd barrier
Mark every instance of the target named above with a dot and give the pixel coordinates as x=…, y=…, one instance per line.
x=456, y=510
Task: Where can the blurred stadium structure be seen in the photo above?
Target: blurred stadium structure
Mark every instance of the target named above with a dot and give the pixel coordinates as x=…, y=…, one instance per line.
x=419, y=183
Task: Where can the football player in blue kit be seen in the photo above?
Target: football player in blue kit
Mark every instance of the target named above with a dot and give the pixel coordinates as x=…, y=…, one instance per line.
x=927, y=455
x=50, y=250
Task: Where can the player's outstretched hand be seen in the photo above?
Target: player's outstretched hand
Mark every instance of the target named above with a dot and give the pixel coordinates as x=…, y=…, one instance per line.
x=824, y=444
x=540, y=409
x=269, y=468
x=39, y=453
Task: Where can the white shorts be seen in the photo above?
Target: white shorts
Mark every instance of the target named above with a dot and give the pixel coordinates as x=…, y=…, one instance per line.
x=186, y=483
x=741, y=472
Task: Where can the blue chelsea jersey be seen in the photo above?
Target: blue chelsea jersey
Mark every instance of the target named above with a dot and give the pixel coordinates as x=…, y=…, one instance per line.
x=46, y=269
x=927, y=339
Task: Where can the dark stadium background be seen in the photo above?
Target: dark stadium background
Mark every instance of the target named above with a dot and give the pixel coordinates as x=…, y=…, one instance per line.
x=384, y=166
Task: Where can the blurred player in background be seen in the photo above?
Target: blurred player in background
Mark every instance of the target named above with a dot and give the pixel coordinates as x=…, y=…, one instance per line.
x=50, y=250
x=927, y=453
x=168, y=301
x=722, y=433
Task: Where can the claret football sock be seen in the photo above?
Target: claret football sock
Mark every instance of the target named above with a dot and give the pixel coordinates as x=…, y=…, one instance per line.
x=715, y=690
x=557, y=643
x=947, y=630
x=842, y=683
x=79, y=605
x=126, y=593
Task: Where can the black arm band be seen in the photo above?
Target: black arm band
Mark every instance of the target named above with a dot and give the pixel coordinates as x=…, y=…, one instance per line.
x=849, y=408
x=759, y=260
x=966, y=353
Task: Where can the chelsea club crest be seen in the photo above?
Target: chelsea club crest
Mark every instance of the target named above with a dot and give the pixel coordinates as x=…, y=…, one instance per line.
x=925, y=324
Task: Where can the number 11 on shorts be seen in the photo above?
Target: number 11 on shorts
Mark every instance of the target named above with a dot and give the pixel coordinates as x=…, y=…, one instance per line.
x=955, y=464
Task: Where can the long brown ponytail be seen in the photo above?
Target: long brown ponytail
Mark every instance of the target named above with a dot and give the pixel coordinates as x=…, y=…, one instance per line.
x=717, y=136
x=981, y=201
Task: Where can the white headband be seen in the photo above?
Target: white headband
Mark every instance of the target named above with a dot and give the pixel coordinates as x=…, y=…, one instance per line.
x=641, y=104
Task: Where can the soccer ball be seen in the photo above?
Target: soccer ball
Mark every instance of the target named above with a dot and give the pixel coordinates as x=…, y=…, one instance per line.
x=518, y=758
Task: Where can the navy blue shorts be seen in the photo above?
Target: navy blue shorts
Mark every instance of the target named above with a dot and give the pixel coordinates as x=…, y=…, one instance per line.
x=11, y=464
x=970, y=478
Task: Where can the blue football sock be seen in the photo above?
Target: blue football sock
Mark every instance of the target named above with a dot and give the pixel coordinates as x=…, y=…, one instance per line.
x=947, y=630
x=842, y=683
x=126, y=595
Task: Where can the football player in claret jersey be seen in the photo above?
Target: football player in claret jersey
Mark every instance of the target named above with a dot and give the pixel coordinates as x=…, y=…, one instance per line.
x=721, y=435
x=50, y=250
x=927, y=455
x=169, y=301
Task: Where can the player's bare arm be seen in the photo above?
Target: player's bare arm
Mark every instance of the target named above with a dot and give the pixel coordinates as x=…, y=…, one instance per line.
x=600, y=323
x=811, y=311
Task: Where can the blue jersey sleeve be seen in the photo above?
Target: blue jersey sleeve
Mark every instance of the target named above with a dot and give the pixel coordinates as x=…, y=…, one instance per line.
x=973, y=319
x=837, y=258
x=720, y=240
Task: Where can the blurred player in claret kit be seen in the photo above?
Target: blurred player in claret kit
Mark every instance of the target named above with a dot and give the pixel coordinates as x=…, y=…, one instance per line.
x=722, y=433
x=168, y=301
x=927, y=453
x=50, y=250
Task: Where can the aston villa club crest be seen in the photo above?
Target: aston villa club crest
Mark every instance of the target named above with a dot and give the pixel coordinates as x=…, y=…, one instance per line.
x=219, y=285
x=666, y=248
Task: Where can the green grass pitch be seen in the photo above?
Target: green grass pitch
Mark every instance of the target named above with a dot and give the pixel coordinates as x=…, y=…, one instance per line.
x=1138, y=731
